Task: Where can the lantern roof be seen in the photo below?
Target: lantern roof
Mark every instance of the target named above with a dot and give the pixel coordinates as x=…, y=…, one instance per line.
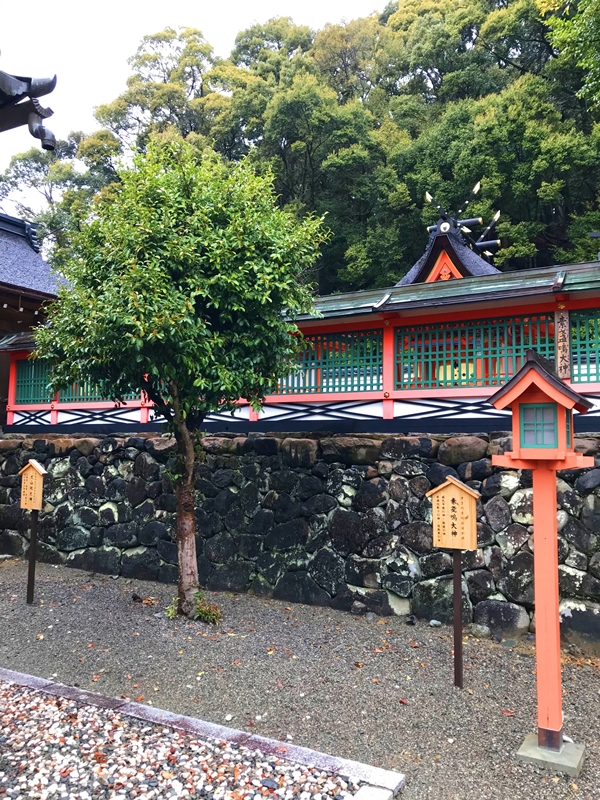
x=539, y=373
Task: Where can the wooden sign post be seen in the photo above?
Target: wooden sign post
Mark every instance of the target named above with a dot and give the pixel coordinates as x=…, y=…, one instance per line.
x=455, y=528
x=32, y=489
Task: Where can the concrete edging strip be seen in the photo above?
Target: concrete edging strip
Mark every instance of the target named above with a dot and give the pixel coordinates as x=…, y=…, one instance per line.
x=355, y=770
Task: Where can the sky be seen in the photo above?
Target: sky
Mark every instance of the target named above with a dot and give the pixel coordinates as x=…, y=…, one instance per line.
x=87, y=44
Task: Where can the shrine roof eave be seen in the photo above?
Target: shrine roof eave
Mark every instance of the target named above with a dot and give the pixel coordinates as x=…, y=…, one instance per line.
x=547, y=281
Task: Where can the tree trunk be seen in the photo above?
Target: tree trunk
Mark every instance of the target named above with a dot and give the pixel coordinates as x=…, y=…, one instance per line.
x=186, y=521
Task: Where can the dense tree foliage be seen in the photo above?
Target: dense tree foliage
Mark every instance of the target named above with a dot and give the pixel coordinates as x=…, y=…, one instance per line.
x=180, y=285
x=358, y=120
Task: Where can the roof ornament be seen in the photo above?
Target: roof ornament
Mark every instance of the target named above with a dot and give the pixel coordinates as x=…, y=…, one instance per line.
x=449, y=223
x=19, y=105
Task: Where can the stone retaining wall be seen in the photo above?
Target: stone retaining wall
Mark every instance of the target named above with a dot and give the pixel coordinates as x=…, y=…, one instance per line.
x=328, y=520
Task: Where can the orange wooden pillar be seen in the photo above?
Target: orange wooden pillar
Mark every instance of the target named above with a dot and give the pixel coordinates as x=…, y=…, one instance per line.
x=388, y=369
x=547, y=622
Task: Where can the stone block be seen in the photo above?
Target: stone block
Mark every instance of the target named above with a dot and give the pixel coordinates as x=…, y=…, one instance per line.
x=569, y=759
x=106, y=560
x=417, y=536
x=480, y=584
x=458, y=449
x=300, y=587
x=400, y=447
x=437, y=473
x=328, y=570
x=516, y=580
x=504, y=619
x=432, y=599
x=521, y=505
x=371, y=494
x=142, y=563
x=287, y=536
x=300, y=452
x=350, y=450
x=231, y=577
x=580, y=625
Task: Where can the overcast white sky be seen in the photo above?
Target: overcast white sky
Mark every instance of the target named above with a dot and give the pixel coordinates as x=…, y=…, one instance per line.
x=87, y=44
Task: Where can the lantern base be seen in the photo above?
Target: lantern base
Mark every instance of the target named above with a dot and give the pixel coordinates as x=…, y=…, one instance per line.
x=568, y=759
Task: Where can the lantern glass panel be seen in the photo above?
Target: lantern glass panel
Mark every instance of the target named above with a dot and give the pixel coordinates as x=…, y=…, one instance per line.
x=538, y=425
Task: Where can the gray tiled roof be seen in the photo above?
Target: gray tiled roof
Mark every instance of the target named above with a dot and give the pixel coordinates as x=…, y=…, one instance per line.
x=474, y=264
x=20, y=265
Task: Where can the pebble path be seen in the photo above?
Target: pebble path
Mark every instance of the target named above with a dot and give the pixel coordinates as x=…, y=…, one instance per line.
x=55, y=748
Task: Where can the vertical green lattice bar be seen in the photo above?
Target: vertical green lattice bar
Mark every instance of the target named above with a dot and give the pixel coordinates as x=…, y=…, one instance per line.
x=585, y=346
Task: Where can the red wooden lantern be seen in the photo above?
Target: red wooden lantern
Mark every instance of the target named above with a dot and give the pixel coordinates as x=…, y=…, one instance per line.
x=542, y=425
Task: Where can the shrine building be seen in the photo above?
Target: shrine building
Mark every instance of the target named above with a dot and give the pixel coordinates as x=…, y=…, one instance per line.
x=423, y=355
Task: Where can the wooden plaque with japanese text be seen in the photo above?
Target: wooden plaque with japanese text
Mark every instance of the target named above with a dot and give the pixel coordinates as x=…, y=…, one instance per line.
x=32, y=485
x=454, y=507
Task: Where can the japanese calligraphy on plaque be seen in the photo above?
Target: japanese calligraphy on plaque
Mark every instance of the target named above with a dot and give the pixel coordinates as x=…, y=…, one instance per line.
x=454, y=508
x=32, y=485
x=562, y=338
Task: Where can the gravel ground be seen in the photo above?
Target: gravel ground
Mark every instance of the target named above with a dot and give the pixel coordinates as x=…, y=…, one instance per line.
x=54, y=748
x=376, y=691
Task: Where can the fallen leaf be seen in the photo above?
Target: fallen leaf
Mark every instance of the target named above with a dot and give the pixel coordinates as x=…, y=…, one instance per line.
x=404, y=702
x=167, y=775
x=358, y=664
x=381, y=621
x=95, y=678
x=136, y=686
x=375, y=680
x=237, y=662
x=414, y=644
x=507, y=713
x=378, y=650
x=92, y=644
x=39, y=636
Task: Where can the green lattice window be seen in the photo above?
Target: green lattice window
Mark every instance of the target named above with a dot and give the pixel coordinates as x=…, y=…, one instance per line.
x=539, y=427
x=337, y=362
x=569, y=423
x=585, y=346
x=483, y=352
x=32, y=387
x=32, y=383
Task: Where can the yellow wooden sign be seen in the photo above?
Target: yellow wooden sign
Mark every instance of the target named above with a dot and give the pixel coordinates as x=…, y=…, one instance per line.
x=32, y=485
x=454, y=515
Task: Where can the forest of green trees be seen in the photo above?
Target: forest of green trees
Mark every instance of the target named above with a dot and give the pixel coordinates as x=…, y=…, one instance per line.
x=357, y=121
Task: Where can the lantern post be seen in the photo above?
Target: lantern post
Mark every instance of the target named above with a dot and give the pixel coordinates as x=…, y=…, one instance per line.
x=542, y=408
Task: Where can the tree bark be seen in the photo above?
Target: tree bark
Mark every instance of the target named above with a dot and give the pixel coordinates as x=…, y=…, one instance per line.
x=188, y=583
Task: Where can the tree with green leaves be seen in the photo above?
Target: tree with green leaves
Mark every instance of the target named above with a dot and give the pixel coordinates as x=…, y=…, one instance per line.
x=576, y=33
x=358, y=120
x=183, y=285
